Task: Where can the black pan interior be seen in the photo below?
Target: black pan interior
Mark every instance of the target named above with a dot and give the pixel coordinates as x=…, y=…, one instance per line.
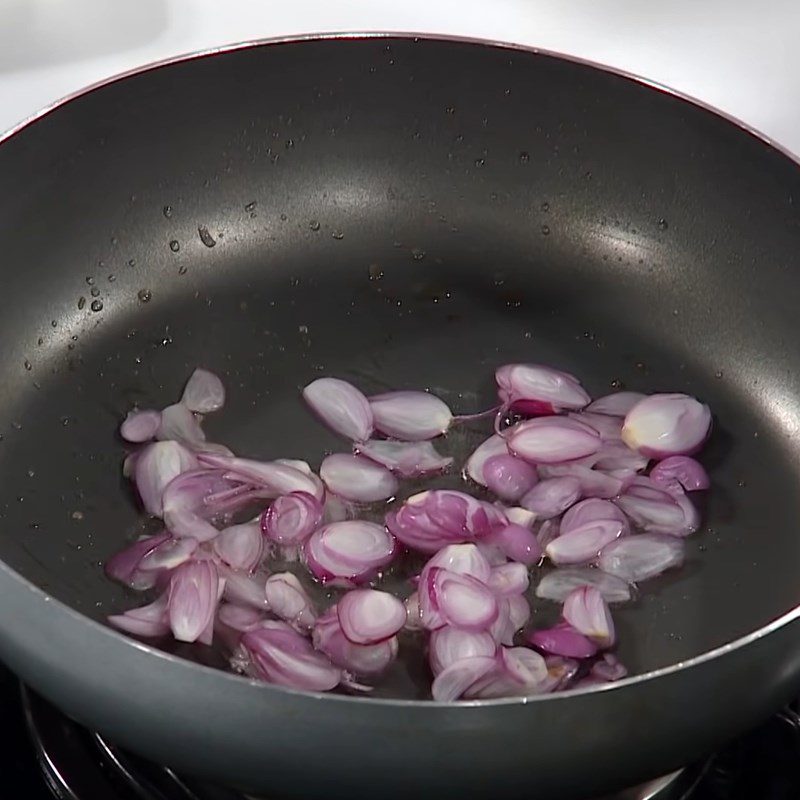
x=400, y=213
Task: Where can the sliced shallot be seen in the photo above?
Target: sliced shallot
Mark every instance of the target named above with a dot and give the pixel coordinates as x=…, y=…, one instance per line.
x=282, y=656
x=560, y=583
x=587, y=612
x=410, y=416
x=291, y=519
x=449, y=645
x=240, y=546
x=358, y=659
x=288, y=600
x=348, y=552
x=369, y=616
x=663, y=425
x=563, y=640
x=342, y=407
x=551, y=440
x=509, y=477
x=193, y=595
x=583, y=544
x=204, y=392
x=156, y=466
x=551, y=387
x=678, y=473
x=406, y=459
x=552, y=496
x=357, y=478
x=637, y=558
x=140, y=426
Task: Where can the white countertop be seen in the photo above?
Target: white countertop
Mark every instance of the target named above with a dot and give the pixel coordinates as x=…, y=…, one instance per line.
x=743, y=60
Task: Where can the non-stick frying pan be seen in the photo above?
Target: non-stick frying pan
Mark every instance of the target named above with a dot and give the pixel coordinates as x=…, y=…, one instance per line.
x=399, y=212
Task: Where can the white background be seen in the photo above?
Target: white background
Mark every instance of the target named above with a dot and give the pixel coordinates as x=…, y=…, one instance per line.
x=742, y=59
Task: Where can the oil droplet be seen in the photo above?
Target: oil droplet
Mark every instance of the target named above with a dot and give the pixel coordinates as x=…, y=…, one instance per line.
x=28, y=365
x=251, y=206
x=718, y=373
x=450, y=110
x=545, y=206
x=182, y=270
x=77, y=515
x=417, y=254
x=205, y=237
x=663, y=224
x=40, y=341
x=289, y=144
x=53, y=323
x=524, y=157
x=167, y=211
x=97, y=305
x=81, y=303
x=89, y=280
x=545, y=230
x=174, y=245
x=284, y=218
x=95, y=292
x=112, y=278
x=314, y=225
x=31, y=473
x=617, y=384
x=479, y=162
x=132, y=262
x=338, y=235
x=375, y=272
x=144, y=295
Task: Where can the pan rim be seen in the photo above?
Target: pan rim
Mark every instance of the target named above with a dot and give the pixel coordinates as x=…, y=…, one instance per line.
x=55, y=605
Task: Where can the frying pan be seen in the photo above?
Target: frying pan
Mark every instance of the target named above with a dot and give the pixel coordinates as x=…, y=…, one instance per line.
x=397, y=211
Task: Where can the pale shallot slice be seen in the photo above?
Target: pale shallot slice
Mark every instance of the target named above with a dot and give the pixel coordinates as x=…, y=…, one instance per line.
x=357, y=479
x=517, y=542
x=292, y=518
x=140, y=426
x=288, y=600
x=194, y=591
x=552, y=496
x=664, y=425
x=348, y=552
x=369, y=616
x=411, y=416
x=147, y=621
x=155, y=468
x=204, y=392
x=509, y=477
x=678, y=473
x=583, y=544
x=493, y=446
x=558, y=584
x=587, y=612
x=552, y=388
x=450, y=645
x=637, y=558
x=617, y=404
x=406, y=459
x=282, y=656
x=551, y=440
x=464, y=559
x=366, y=660
x=240, y=546
x=342, y=407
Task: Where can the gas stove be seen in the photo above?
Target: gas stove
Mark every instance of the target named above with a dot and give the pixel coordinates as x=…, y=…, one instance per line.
x=44, y=755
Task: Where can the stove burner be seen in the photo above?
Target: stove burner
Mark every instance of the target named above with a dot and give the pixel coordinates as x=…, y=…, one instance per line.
x=80, y=765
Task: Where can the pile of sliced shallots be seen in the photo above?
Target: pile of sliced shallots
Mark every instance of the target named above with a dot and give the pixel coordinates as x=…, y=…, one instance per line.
x=597, y=490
